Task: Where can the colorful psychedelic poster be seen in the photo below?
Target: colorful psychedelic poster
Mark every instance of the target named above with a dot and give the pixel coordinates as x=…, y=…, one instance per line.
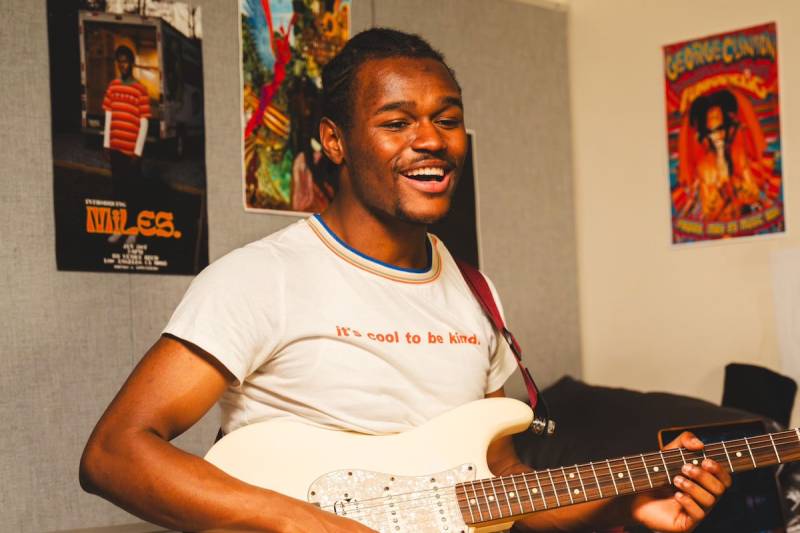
x=129, y=176
x=723, y=120
x=285, y=44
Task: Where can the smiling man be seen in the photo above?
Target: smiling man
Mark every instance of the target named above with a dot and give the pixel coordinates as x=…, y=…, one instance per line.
x=328, y=334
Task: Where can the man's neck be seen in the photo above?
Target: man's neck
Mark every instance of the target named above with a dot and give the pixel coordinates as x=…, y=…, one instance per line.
x=395, y=242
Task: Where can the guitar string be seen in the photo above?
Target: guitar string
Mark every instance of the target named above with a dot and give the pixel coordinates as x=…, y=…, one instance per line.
x=553, y=487
x=417, y=503
x=418, y=497
x=671, y=452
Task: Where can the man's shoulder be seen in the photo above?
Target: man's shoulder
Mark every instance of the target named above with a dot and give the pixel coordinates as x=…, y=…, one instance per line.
x=272, y=249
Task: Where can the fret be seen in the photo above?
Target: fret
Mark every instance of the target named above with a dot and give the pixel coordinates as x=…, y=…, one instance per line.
x=496, y=500
x=646, y=470
x=750, y=451
x=727, y=456
x=476, y=500
x=630, y=477
x=694, y=460
x=527, y=488
x=579, y=474
x=517, y=494
x=541, y=492
x=616, y=491
x=569, y=490
x=469, y=503
x=553, y=486
x=666, y=468
x=774, y=447
x=597, y=481
x=738, y=448
x=486, y=499
x=682, y=457
x=505, y=493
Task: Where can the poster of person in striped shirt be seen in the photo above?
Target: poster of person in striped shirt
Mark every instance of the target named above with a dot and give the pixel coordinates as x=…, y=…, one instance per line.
x=129, y=175
x=127, y=109
x=723, y=120
x=284, y=46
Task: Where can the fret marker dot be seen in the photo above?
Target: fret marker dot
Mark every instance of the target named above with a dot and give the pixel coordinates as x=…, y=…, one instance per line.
x=473, y=501
x=738, y=454
x=571, y=476
x=620, y=475
x=576, y=491
x=655, y=469
x=512, y=495
x=695, y=462
x=535, y=491
x=491, y=498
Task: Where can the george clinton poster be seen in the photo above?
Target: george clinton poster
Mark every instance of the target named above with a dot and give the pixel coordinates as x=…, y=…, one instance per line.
x=129, y=178
x=285, y=44
x=723, y=120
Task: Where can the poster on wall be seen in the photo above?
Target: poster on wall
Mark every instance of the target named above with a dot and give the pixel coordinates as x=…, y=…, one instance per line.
x=723, y=132
x=129, y=177
x=285, y=44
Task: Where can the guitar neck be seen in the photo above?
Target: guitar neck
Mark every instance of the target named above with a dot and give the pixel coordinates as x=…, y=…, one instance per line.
x=508, y=497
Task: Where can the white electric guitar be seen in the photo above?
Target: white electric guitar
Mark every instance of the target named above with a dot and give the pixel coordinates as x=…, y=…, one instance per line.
x=434, y=478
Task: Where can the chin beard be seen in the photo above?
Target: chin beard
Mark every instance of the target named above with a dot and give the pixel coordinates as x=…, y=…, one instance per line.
x=421, y=219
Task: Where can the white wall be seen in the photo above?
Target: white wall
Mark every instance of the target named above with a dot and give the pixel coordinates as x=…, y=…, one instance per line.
x=655, y=317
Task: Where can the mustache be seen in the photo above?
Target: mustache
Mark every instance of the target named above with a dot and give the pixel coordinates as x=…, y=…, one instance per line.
x=434, y=158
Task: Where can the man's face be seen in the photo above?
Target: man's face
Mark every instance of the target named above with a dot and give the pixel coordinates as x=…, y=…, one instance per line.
x=405, y=148
x=124, y=66
x=715, y=121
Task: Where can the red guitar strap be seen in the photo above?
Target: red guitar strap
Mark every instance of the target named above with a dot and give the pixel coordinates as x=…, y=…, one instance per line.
x=480, y=289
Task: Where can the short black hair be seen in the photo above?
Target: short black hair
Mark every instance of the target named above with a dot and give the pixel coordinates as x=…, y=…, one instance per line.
x=338, y=76
x=123, y=50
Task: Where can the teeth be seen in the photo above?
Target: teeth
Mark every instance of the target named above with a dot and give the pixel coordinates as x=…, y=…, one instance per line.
x=427, y=171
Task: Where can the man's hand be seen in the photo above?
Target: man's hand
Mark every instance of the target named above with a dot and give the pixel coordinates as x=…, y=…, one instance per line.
x=698, y=489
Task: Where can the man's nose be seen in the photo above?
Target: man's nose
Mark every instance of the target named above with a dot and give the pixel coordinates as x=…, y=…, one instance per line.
x=428, y=138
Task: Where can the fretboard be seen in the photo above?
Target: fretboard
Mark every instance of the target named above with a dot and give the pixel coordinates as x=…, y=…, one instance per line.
x=509, y=497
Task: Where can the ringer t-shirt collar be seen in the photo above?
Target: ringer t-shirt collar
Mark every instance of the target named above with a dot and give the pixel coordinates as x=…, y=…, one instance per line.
x=360, y=260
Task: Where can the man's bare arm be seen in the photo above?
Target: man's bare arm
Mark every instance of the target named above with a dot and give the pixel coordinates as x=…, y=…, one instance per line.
x=129, y=460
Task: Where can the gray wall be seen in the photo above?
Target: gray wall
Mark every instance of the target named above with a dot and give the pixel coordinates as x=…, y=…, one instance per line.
x=69, y=339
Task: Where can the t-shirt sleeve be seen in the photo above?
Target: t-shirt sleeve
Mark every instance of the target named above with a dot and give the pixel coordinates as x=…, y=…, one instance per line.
x=502, y=363
x=107, y=98
x=144, y=102
x=234, y=311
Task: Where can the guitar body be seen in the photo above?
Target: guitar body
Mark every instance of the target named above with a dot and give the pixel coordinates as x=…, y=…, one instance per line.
x=394, y=483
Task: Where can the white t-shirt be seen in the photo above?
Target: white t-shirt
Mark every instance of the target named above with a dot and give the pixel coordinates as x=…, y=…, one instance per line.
x=312, y=328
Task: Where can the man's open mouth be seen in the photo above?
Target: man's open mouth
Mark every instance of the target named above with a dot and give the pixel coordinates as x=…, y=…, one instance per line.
x=426, y=174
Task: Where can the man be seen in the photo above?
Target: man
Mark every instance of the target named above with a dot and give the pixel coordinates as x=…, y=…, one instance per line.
x=311, y=340
x=127, y=110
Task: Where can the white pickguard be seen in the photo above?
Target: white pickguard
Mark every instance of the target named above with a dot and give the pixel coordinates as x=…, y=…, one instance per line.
x=367, y=477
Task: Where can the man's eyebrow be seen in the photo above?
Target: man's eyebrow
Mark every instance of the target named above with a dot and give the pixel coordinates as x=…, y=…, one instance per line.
x=454, y=101
x=402, y=104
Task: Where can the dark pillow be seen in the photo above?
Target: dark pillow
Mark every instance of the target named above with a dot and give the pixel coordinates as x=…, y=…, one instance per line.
x=595, y=423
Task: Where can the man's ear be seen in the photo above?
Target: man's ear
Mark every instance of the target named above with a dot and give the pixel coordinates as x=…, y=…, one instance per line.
x=332, y=142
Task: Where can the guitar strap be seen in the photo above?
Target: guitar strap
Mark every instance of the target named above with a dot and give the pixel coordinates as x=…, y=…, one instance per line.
x=480, y=289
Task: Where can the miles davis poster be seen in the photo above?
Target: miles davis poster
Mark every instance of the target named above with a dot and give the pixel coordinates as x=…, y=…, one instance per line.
x=129, y=177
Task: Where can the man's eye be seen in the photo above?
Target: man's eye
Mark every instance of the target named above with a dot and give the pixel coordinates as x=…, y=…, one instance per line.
x=395, y=124
x=449, y=122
